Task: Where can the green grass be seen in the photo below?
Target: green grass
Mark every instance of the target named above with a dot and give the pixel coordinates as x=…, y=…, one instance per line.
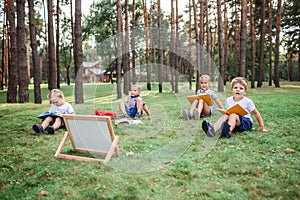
x=172, y=158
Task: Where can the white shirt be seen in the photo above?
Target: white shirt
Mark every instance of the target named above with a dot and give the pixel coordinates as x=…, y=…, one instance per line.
x=66, y=108
x=246, y=103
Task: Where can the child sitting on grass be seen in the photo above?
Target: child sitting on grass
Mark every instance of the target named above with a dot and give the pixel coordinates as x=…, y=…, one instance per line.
x=59, y=107
x=135, y=104
x=235, y=122
x=200, y=107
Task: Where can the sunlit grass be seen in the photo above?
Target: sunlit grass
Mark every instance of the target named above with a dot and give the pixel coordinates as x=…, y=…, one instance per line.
x=250, y=165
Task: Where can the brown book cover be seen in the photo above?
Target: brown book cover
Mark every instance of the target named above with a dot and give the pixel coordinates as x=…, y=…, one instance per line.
x=206, y=97
x=237, y=109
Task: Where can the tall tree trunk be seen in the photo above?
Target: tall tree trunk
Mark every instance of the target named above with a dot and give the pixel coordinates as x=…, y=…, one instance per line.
x=13, y=66
x=23, y=79
x=172, y=47
x=262, y=46
x=147, y=45
x=289, y=67
x=78, y=54
x=35, y=58
x=298, y=65
x=57, y=44
x=5, y=50
x=237, y=44
x=126, y=65
x=225, y=43
x=160, y=50
x=270, y=42
x=190, y=66
x=118, y=49
x=201, y=37
x=253, y=45
x=176, y=57
x=243, y=38
x=197, y=44
x=221, y=48
x=133, y=42
x=52, y=75
x=277, y=43
x=73, y=41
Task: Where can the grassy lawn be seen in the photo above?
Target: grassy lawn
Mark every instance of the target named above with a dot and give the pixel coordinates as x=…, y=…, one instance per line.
x=173, y=159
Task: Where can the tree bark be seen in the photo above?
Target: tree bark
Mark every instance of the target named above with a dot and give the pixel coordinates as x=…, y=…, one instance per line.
x=78, y=54
x=197, y=45
x=225, y=44
x=147, y=45
x=221, y=48
x=160, y=50
x=35, y=58
x=253, y=44
x=57, y=44
x=270, y=43
x=13, y=67
x=243, y=38
x=52, y=75
x=277, y=43
x=133, y=42
x=23, y=79
x=262, y=45
x=118, y=49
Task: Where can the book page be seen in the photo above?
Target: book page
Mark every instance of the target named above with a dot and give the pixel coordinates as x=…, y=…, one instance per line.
x=127, y=121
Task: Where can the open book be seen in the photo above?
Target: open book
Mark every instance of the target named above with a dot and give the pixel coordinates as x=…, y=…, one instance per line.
x=237, y=109
x=46, y=114
x=127, y=121
x=206, y=97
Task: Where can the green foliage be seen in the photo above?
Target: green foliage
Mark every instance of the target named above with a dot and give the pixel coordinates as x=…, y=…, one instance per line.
x=250, y=165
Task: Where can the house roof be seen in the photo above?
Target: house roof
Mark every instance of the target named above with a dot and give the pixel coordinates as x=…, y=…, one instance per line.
x=96, y=71
x=90, y=64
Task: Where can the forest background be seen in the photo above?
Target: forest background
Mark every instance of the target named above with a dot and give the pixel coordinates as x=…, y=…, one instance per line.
x=255, y=39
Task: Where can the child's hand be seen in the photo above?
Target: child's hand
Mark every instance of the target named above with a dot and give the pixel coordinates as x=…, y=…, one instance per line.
x=263, y=129
x=59, y=113
x=223, y=111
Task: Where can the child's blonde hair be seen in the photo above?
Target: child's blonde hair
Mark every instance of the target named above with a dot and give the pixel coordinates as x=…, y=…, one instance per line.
x=241, y=80
x=55, y=93
x=204, y=76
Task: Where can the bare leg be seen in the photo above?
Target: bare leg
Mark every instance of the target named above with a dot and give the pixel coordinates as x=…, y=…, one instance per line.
x=146, y=109
x=219, y=122
x=193, y=106
x=203, y=108
x=233, y=121
x=122, y=107
x=139, y=105
x=46, y=122
x=57, y=123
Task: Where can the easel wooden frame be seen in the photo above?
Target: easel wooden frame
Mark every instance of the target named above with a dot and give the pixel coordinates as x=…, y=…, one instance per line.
x=89, y=134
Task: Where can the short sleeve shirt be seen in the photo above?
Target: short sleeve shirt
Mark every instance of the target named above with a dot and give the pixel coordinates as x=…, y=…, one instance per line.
x=132, y=101
x=66, y=108
x=210, y=92
x=246, y=103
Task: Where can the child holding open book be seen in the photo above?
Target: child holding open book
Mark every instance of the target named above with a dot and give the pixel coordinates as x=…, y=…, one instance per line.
x=53, y=120
x=200, y=106
x=229, y=122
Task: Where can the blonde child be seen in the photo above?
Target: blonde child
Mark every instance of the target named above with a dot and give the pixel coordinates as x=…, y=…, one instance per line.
x=235, y=122
x=135, y=104
x=200, y=107
x=59, y=107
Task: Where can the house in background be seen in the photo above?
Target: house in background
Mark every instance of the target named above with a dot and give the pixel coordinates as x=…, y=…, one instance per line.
x=93, y=72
